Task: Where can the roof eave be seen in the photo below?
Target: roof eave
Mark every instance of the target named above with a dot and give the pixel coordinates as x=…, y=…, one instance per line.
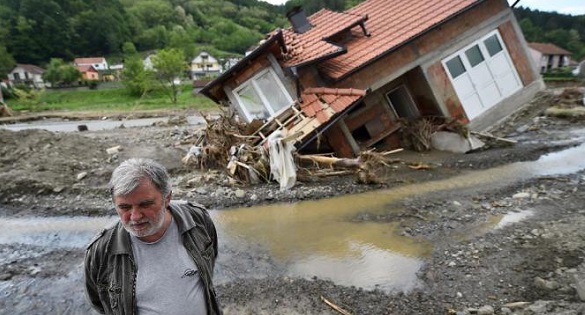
x=393, y=49
x=242, y=64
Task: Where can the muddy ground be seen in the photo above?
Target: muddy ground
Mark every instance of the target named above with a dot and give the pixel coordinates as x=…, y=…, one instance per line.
x=532, y=267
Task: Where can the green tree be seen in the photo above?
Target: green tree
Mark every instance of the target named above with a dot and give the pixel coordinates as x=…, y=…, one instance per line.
x=181, y=40
x=52, y=73
x=69, y=74
x=58, y=72
x=531, y=33
x=6, y=62
x=137, y=80
x=129, y=49
x=169, y=65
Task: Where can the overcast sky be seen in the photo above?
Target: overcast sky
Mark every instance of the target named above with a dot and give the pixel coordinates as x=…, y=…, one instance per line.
x=574, y=7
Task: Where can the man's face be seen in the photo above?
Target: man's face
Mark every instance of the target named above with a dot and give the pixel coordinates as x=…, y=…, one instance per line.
x=143, y=211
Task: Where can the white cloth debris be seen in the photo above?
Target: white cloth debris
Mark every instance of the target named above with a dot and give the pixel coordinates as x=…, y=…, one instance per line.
x=282, y=165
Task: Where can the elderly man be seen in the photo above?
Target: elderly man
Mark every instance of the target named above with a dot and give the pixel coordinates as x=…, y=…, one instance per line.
x=159, y=257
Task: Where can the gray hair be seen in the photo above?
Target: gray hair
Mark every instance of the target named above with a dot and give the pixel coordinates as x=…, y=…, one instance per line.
x=127, y=176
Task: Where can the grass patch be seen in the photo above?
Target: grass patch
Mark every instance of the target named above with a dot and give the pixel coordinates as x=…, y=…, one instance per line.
x=111, y=100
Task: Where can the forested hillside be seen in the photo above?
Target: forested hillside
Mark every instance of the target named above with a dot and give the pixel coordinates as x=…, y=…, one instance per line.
x=563, y=30
x=34, y=31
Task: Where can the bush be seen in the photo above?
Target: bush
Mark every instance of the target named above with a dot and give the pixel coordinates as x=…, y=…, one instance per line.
x=7, y=92
x=559, y=73
x=93, y=85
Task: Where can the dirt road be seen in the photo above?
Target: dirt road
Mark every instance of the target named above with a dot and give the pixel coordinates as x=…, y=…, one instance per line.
x=534, y=266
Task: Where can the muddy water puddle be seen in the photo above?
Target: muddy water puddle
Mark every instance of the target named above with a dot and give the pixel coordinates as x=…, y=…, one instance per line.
x=323, y=239
x=331, y=239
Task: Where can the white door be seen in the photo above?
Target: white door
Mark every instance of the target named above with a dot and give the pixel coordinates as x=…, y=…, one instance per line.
x=482, y=74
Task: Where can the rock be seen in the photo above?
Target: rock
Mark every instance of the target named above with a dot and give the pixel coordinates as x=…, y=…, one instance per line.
x=58, y=189
x=539, y=307
x=81, y=176
x=452, y=264
x=505, y=311
x=485, y=310
x=33, y=271
x=240, y=193
x=521, y=195
x=201, y=191
x=517, y=305
x=546, y=284
x=580, y=286
x=254, y=197
x=114, y=150
x=5, y=276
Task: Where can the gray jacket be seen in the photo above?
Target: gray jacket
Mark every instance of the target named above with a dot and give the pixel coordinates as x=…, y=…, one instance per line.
x=110, y=272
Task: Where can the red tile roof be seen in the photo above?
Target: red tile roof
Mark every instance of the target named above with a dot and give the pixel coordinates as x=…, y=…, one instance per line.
x=89, y=60
x=313, y=44
x=390, y=22
x=324, y=103
x=548, y=49
x=86, y=68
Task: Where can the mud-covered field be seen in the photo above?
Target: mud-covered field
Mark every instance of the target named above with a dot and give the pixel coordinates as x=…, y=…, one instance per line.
x=534, y=266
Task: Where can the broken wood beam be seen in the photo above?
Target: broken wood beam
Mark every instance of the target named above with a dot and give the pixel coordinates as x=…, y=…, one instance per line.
x=335, y=307
x=494, y=137
x=331, y=162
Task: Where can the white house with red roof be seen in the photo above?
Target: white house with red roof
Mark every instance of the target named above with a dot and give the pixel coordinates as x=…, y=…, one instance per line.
x=98, y=63
x=27, y=74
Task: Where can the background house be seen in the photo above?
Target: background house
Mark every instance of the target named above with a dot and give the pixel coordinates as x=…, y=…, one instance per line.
x=549, y=56
x=147, y=61
x=204, y=65
x=98, y=63
x=88, y=73
x=351, y=78
x=26, y=74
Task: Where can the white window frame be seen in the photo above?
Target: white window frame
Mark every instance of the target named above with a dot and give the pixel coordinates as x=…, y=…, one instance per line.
x=263, y=98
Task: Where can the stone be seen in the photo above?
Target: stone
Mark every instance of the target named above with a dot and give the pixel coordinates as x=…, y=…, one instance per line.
x=521, y=195
x=114, y=150
x=81, y=176
x=546, y=284
x=5, y=276
x=580, y=286
x=240, y=193
x=33, y=271
x=485, y=310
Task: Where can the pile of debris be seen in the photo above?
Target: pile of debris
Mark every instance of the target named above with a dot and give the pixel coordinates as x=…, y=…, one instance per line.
x=248, y=158
x=5, y=111
x=570, y=104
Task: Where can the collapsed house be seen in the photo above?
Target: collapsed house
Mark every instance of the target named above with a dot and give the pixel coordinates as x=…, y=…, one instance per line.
x=344, y=80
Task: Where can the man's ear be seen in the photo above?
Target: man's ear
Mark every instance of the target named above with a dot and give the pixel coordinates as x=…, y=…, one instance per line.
x=168, y=199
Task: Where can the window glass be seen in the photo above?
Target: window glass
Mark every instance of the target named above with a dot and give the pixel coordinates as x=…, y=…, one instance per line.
x=474, y=56
x=493, y=45
x=455, y=67
x=274, y=95
x=252, y=103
